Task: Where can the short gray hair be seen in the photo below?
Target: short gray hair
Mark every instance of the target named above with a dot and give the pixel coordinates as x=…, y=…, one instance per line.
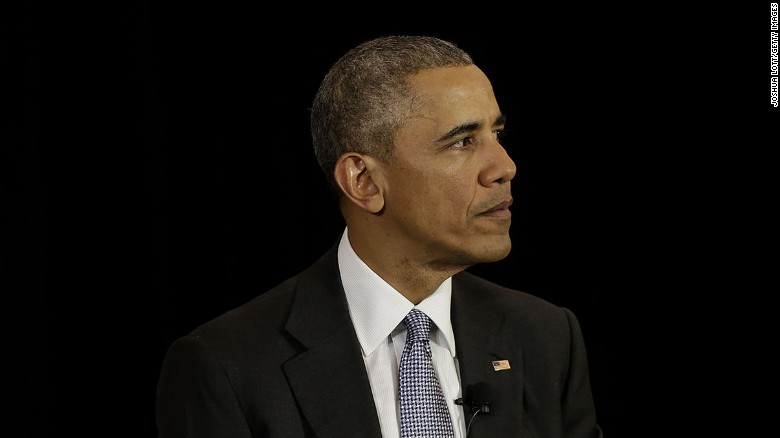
x=365, y=95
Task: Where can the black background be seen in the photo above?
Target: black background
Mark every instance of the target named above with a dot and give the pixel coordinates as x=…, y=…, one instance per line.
x=157, y=170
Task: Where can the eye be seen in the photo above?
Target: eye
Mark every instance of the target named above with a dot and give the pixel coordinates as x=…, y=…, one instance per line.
x=464, y=143
x=500, y=135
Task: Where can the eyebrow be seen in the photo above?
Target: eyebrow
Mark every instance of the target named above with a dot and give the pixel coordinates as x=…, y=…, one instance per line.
x=468, y=127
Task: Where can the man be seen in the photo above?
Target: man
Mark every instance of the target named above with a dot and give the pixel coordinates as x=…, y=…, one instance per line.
x=408, y=132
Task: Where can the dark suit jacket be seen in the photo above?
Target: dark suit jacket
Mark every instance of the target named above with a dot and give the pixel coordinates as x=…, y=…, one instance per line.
x=288, y=364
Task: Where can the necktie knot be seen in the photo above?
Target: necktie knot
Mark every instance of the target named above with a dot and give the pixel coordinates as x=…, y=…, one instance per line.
x=418, y=326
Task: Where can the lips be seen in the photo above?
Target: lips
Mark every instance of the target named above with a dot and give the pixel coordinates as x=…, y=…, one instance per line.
x=501, y=209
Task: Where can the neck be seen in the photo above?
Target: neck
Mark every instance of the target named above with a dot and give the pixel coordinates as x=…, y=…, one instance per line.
x=413, y=279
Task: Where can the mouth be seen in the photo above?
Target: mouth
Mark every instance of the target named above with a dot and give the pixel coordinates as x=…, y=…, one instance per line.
x=500, y=210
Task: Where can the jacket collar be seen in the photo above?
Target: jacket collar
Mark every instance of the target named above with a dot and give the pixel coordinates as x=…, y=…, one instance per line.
x=328, y=378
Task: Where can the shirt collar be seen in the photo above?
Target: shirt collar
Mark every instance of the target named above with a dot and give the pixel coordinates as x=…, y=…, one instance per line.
x=377, y=308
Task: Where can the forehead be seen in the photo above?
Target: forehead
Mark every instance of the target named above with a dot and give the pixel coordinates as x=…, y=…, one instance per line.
x=453, y=95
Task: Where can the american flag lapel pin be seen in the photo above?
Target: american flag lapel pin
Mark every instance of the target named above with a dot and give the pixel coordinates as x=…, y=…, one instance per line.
x=500, y=365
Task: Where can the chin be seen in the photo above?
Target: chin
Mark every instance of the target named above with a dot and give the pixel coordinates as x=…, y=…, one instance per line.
x=496, y=256
x=494, y=250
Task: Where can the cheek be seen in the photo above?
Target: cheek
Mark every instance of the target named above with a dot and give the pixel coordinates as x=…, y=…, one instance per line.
x=443, y=196
x=452, y=195
x=460, y=194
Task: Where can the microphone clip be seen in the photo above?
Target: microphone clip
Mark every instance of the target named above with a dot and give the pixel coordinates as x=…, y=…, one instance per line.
x=476, y=406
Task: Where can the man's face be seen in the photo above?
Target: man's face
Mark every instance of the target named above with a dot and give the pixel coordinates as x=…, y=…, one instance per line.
x=448, y=185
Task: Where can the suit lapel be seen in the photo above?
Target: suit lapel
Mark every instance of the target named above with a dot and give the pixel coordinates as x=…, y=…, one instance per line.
x=480, y=341
x=329, y=378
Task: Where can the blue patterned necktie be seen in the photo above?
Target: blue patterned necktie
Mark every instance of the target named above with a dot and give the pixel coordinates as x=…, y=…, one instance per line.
x=424, y=412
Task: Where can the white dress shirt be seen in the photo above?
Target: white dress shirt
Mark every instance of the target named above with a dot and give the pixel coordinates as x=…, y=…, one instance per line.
x=377, y=312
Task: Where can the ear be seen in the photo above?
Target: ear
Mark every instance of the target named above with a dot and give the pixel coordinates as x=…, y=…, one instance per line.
x=356, y=176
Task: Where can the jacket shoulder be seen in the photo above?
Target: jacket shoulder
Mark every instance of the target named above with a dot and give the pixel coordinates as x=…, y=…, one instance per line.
x=474, y=288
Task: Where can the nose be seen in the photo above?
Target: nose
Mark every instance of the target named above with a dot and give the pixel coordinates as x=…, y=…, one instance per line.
x=499, y=167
